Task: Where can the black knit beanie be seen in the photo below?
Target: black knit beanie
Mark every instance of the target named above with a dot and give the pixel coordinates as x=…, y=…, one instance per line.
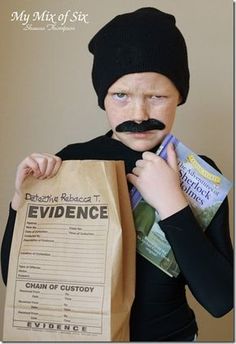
x=145, y=40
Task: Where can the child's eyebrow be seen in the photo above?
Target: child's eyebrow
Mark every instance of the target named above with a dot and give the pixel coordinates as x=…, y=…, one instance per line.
x=119, y=89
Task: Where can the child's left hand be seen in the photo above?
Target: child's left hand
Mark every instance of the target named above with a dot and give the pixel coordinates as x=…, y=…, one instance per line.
x=158, y=182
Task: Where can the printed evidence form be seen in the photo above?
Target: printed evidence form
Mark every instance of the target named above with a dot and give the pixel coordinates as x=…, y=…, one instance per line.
x=61, y=268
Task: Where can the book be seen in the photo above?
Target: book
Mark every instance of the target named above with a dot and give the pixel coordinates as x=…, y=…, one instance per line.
x=205, y=189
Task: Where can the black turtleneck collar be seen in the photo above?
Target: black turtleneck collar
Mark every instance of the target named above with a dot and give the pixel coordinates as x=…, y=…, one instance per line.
x=102, y=148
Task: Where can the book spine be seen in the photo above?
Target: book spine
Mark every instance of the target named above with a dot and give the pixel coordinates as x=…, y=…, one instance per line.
x=162, y=150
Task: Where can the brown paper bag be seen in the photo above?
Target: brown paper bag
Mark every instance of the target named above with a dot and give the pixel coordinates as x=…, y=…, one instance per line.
x=72, y=263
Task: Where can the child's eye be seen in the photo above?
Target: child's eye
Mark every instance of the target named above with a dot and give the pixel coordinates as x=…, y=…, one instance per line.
x=119, y=96
x=157, y=97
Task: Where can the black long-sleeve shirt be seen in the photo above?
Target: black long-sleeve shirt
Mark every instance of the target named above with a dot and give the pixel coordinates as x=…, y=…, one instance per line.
x=160, y=311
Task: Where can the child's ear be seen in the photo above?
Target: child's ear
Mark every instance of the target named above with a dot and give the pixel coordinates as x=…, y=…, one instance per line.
x=180, y=99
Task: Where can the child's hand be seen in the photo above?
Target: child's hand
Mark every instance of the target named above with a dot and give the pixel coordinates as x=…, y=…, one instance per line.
x=38, y=165
x=158, y=182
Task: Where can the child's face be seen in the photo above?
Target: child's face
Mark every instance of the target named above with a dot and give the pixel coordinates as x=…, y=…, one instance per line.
x=138, y=97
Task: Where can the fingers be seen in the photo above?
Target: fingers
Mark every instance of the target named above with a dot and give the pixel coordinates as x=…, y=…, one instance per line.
x=48, y=165
x=172, y=158
x=148, y=159
x=136, y=171
x=38, y=165
x=149, y=156
x=142, y=164
x=151, y=159
x=132, y=178
x=41, y=165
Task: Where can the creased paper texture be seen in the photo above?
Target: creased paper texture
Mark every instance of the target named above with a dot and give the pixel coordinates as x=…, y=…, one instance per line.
x=71, y=273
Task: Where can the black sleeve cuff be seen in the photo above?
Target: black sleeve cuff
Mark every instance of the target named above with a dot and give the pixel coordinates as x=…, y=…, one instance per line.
x=184, y=218
x=6, y=243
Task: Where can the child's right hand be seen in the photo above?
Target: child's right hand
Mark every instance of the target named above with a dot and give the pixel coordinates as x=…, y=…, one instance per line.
x=40, y=166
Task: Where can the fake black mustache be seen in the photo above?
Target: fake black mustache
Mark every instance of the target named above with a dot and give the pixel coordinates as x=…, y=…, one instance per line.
x=150, y=124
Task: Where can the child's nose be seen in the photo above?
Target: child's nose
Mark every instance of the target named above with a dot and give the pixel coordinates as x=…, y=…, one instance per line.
x=140, y=112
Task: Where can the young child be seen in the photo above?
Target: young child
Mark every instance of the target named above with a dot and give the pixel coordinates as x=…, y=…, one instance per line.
x=140, y=74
